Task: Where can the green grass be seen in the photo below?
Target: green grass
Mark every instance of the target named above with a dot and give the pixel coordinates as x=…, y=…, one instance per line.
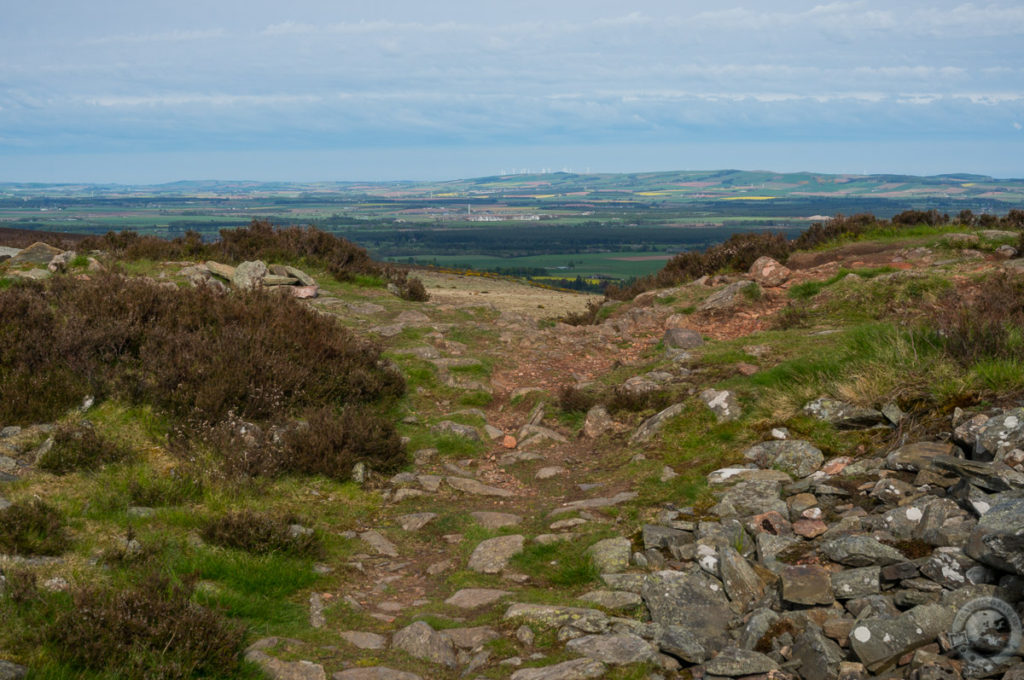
x=563, y=564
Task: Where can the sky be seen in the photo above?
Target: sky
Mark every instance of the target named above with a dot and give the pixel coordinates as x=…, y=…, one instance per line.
x=315, y=90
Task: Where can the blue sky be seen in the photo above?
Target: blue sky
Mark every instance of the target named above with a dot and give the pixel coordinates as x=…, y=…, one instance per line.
x=142, y=92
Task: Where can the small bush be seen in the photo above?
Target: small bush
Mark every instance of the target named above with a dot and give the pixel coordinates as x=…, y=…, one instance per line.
x=791, y=316
x=590, y=317
x=330, y=443
x=32, y=528
x=572, y=399
x=985, y=324
x=78, y=446
x=174, y=488
x=151, y=632
x=261, y=533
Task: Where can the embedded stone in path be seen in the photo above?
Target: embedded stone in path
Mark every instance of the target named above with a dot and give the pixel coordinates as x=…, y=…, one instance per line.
x=610, y=555
x=416, y=520
x=374, y=673
x=495, y=520
x=423, y=642
x=594, y=503
x=734, y=662
x=617, y=649
x=471, y=598
x=364, y=640
x=380, y=545
x=472, y=486
x=550, y=471
x=492, y=556
x=577, y=669
x=653, y=425
x=613, y=599
x=282, y=670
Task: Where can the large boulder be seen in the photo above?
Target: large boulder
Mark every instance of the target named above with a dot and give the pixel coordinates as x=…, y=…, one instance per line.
x=249, y=275
x=768, y=272
x=37, y=253
x=733, y=295
x=693, y=602
x=998, y=538
x=795, y=456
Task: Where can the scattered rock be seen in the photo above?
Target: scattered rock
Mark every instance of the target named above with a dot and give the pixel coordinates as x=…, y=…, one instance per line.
x=768, y=272
x=653, y=425
x=477, y=488
x=420, y=640
x=472, y=598
x=492, y=555
x=844, y=415
x=495, y=520
x=731, y=296
x=364, y=640
x=795, y=456
x=617, y=649
x=734, y=662
x=722, y=402
x=577, y=669
x=610, y=555
x=378, y=543
x=681, y=338
x=374, y=673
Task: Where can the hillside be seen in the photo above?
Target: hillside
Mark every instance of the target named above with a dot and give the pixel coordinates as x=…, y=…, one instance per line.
x=811, y=471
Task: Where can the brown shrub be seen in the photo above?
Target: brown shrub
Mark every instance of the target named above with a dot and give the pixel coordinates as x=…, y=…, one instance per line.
x=153, y=631
x=77, y=446
x=589, y=317
x=574, y=400
x=189, y=351
x=330, y=443
x=260, y=240
x=32, y=528
x=984, y=323
x=261, y=533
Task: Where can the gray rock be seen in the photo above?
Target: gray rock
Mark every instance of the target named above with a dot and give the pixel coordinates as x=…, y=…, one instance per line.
x=653, y=425
x=681, y=338
x=374, y=673
x=613, y=599
x=880, y=642
x=492, y=555
x=751, y=498
x=282, y=670
x=303, y=278
x=37, y=253
x=662, y=537
x=684, y=643
x=416, y=520
x=691, y=601
x=249, y=275
x=999, y=435
x=998, y=538
x=472, y=486
x=378, y=543
x=598, y=422
x=550, y=616
x=472, y=598
x=617, y=649
x=734, y=662
x=850, y=584
x=757, y=626
x=731, y=296
x=12, y=671
x=768, y=272
x=991, y=477
x=844, y=415
x=471, y=638
x=722, y=403
x=807, y=584
x=610, y=555
x=457, y=429
x=860, y=551
x=423, y=642
x=794, y=456
x=577, y=669
x=495, y=520
x=364, y=640
x=819, y=657
x=594, y=503
x=918, y=455
x=742, y=584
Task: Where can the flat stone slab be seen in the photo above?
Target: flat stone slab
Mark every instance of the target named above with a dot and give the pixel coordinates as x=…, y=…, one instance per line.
x=374, y=673
x=616, y=649
x=613, y=599
x=416, y=520
x=378, y=543
x=477, y=488
x=471, y=598
x=577, y=669
x=364, y=640
x=492, y=555
x=595, y=503
x=495, y=520
x=551, y=616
